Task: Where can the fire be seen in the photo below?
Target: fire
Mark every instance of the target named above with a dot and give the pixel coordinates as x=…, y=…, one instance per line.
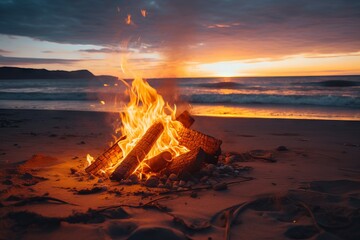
x=145, y=108
x=143, y=12
x=128, y=19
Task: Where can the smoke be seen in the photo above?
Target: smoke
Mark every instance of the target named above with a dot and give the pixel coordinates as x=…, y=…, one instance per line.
x=179, y=37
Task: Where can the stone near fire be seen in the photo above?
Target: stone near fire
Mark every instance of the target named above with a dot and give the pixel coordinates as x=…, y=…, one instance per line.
x=152, y=182
x=173, y=177
x=134, y=179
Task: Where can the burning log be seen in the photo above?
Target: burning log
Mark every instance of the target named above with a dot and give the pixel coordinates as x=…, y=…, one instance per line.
x=107, y=159
x=138, y=153
x=158, y=162
x=189, y=162
x=186, y=119
x=193, y=139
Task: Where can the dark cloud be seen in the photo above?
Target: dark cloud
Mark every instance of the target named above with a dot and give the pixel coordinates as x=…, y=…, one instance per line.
x=13, y=61
x=234, y=28
x=101, y=50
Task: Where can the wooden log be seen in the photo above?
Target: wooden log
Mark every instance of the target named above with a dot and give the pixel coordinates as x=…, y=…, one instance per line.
x=138, y=153
x=158, y=162
x=109, y=158
x=186, y=119
x=193, y=139
x=187, y=163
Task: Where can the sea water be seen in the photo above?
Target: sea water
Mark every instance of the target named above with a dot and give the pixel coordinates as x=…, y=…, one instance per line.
x=325, y=97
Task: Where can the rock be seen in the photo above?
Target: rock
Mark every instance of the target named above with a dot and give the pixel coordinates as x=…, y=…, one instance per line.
x=168, y=184
x=152, y=182
x=134, y=179
x=161, y=185
x=189, y=184
x=228, y=169
x=211, y=167
x=230, y=159
x=204, y=179
x=220, y=186
x=216, y=174
x=73, y=170
x=100, y=180
x=182, y=183
x=173, y=177
x=282, y=148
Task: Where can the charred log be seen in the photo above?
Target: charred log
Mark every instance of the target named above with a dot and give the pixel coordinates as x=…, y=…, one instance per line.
x=107, y=159
x=138, y=153
x=187, y=163
x=186, y=119
x=158, y=162
x=193, y=139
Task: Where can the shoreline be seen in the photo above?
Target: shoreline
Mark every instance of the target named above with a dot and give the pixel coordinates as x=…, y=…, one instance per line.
x=194, y=114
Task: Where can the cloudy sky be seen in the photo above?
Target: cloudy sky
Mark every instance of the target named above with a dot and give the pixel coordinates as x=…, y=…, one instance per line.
x=170, y=38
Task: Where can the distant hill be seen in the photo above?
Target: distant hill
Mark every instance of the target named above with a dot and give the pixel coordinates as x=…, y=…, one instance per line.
x=31, y=73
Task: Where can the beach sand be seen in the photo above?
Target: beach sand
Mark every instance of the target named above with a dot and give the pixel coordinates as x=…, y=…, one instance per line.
x=304, y=185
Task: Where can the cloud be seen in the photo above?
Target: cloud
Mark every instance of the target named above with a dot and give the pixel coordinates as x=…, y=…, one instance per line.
x=11, y=61
x=2, y=51
x=229, y=29
x=102, y=50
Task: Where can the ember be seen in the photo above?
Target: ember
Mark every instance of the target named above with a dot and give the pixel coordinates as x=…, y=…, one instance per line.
x=154, y=140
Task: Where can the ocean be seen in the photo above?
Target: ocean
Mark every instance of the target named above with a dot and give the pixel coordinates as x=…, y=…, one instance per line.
x=325, y=97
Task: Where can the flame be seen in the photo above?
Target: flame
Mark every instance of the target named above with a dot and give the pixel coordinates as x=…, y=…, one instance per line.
x=89, y=159
x=128, y=19
x=143, y=12
x=145, y=108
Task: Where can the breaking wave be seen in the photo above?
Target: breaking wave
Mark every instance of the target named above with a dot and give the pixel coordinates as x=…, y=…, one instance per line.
x=324, y=100
x=332, y=83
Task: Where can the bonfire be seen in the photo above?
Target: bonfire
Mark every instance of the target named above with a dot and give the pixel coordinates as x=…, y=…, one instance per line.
x=154, y=140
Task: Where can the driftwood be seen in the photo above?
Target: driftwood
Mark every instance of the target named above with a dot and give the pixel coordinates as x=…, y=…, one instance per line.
x=138, y=153
x=193, y=139
x=189, y=162
x=158, y=162
x=107, y=159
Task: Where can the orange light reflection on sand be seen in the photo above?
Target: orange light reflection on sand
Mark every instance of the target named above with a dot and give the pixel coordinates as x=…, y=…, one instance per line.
x=272, y=112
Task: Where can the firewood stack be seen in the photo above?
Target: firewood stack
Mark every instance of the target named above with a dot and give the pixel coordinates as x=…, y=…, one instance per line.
x=203, y=148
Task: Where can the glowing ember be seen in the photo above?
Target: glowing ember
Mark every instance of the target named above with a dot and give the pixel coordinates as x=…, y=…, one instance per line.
x=128, y=19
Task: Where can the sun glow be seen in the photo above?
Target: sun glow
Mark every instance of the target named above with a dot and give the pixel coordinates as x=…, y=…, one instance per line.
x=221, y=69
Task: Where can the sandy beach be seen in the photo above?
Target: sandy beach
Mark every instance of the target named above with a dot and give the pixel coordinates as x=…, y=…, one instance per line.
x=301, y=181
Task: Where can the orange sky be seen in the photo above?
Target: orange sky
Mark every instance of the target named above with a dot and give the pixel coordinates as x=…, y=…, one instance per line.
x=204, y=38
